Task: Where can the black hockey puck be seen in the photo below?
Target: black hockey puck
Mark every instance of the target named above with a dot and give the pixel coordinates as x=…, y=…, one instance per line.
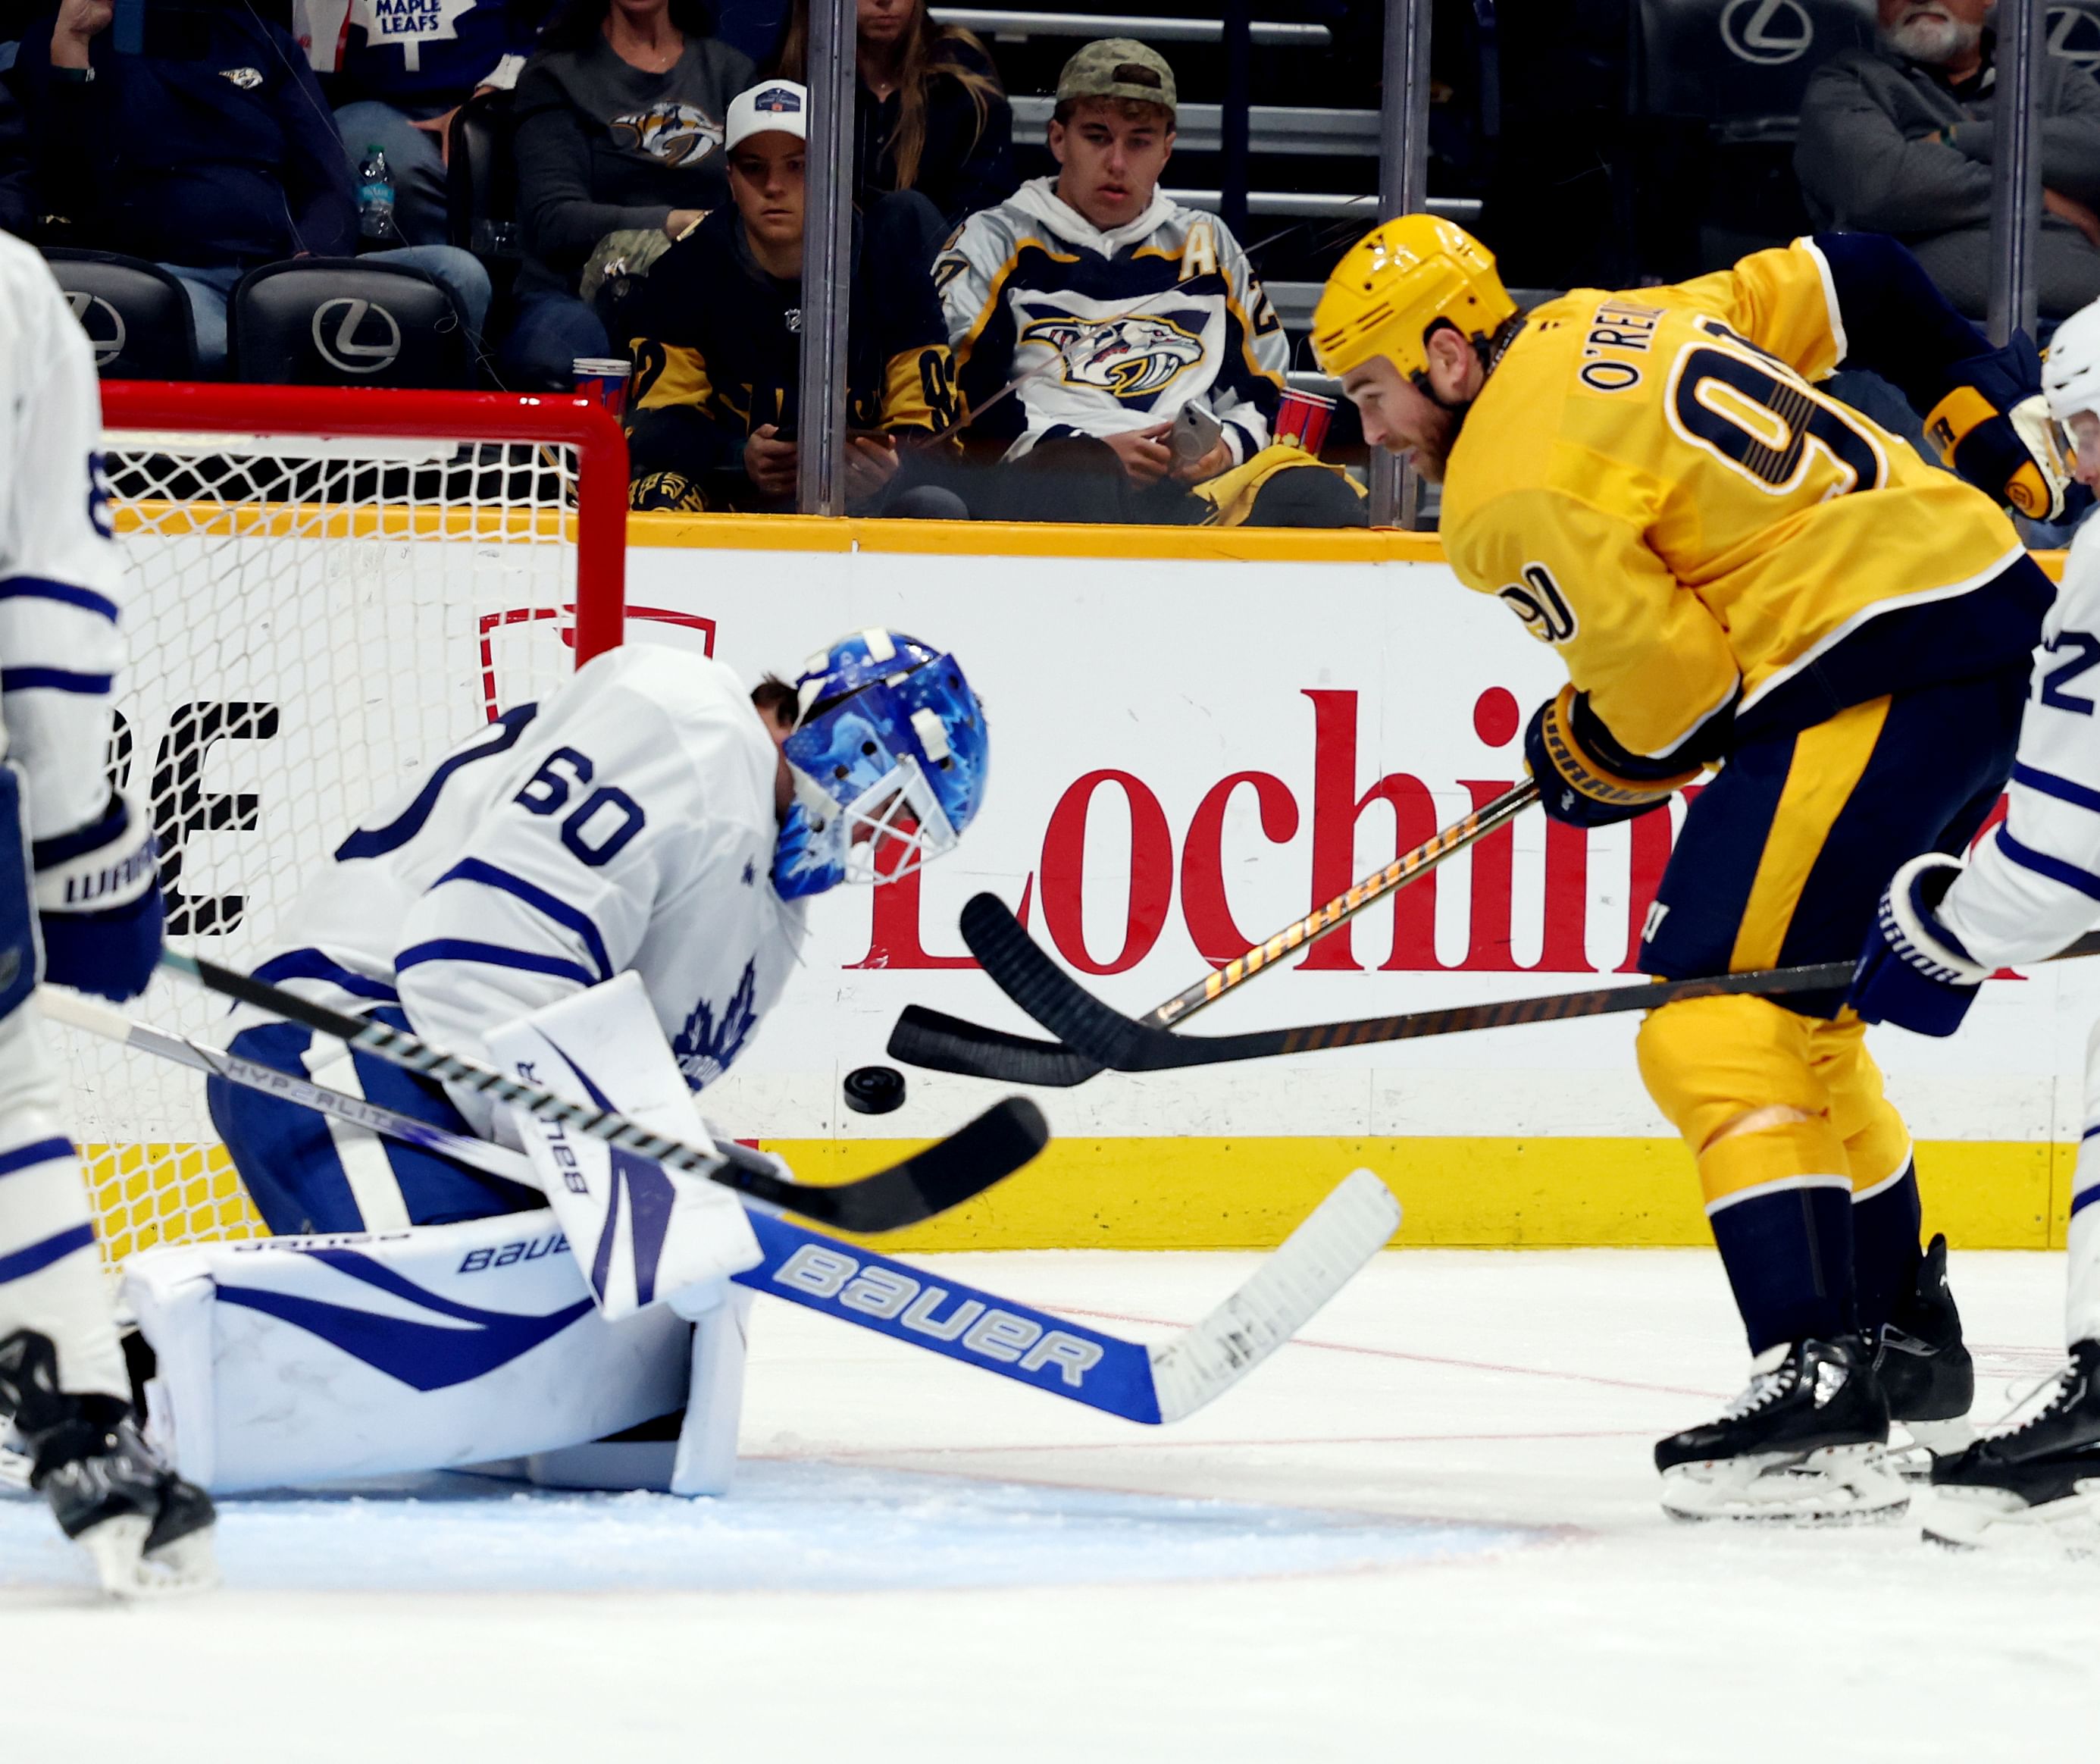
x=874, y=1090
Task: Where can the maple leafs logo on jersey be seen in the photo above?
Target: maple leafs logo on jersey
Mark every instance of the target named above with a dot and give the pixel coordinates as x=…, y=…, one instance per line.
x=705, y=1048
x=1131, y=357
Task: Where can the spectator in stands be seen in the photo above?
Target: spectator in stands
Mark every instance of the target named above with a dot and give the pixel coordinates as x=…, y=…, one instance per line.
x=718, y=342
x=619, y=130
x=930, y=115
x=18, y=200
x=397, y=74
x=210, y=154
x=1117, y=349
x=1897, y=139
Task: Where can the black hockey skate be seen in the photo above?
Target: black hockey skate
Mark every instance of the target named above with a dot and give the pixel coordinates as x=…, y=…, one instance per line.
x=147, y=1530
x=1925, y=1369
x=2039, y=1483
x=1807, y=1440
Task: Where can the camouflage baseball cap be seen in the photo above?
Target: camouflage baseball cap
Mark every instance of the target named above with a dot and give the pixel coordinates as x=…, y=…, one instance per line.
x=1118, y=67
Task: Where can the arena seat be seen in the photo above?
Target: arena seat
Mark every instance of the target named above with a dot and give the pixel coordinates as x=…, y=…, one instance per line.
x=481, y=180
x=136, y=315
x=341, y=321
x=1717, y=87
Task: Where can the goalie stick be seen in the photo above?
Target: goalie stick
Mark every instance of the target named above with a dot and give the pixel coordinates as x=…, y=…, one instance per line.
x=1026, y=974
x=944, y=1175
x=1148, y=1383
x=941, y=1043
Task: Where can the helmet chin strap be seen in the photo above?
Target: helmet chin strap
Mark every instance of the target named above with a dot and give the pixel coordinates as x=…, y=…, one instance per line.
x=1490, y=350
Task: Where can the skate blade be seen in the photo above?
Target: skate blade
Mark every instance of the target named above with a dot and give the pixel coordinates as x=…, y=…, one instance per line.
x=1959, y=1519
x=117, y=1549
x=1914, y=1444
x=1842, y=1484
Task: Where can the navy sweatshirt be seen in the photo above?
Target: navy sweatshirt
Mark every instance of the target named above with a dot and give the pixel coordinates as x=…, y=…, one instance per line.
x=229, y=158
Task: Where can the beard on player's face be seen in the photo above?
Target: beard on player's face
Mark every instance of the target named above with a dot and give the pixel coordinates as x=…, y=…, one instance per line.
x=1438, y=431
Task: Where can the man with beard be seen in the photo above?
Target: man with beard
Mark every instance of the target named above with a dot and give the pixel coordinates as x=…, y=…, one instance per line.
x=1897, y=139
x=1736, y=567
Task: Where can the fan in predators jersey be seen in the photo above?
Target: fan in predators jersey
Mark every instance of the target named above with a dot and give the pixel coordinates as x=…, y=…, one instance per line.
x=1741, y=572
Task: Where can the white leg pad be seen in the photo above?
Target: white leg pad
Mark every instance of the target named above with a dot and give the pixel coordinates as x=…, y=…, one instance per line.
x=290, y=1361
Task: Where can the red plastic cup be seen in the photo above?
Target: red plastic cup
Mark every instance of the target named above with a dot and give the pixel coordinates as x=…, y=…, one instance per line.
x=1302, y=420
x=605, y=378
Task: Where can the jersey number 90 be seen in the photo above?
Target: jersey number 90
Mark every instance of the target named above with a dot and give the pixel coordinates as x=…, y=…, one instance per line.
x=1762, y=421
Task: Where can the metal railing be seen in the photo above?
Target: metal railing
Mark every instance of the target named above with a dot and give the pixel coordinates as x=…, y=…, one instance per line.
x=1017, y=27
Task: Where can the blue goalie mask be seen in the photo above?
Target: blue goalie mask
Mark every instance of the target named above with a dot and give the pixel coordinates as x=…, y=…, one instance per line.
x=887, y=756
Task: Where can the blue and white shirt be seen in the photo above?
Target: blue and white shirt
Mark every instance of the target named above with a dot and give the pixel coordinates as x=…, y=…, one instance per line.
x=2033, y=883
x=59, y=572
x=626, y=823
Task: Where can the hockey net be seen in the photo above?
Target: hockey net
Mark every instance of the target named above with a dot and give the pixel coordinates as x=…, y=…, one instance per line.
x=325, y=589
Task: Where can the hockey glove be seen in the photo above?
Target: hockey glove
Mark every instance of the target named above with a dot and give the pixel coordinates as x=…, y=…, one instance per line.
x=1993, y=427
x=1914, y=972
x=98, y=903
x=1574, y=786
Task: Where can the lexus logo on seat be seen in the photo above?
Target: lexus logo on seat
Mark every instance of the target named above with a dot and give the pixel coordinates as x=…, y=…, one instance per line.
x=2074, y=36
x=357, y=336
x=103, y=324
x=1767, y=32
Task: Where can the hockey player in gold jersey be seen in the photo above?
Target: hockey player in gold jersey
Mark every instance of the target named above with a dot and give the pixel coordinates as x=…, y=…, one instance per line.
x=1742, y=573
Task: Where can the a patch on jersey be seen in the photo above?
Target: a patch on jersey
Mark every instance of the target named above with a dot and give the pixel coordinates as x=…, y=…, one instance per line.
x=676, y=134
x=246, y=78
x=707, y=1046
x=1132, y=356
x=1538, y=601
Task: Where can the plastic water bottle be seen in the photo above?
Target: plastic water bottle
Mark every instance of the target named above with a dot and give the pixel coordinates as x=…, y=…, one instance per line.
x=375, y=198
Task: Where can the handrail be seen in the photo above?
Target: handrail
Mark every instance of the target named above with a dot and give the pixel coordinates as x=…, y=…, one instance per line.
x=1270, y=33
x=1300, y=129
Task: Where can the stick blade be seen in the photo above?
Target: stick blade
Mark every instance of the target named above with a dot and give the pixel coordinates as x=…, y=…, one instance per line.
x=946, y=1174
x=942, y=1043
x=1022, y=970
x=1314, y=1262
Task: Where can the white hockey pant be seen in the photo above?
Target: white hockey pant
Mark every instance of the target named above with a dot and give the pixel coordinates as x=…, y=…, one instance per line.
x=290, y=1361
x=50, y=1266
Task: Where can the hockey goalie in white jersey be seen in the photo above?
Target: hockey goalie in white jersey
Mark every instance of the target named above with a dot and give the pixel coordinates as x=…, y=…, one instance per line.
x=79, y=901
x=2029, y=888
x=622, y=871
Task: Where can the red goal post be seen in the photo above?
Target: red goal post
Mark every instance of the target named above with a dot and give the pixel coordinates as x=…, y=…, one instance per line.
x=325, y=588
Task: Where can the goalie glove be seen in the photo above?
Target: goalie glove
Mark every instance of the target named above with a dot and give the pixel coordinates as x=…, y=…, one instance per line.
x=1913, y=971
x=98, y=893
x=1993, y=427
x=1577, y=786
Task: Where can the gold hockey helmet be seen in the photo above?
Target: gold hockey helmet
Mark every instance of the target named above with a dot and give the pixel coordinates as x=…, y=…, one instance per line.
x=1395, y=282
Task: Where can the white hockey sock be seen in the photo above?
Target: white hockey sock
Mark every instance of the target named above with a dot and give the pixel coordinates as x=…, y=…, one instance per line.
x=2082, y=1286
x=51, y=1266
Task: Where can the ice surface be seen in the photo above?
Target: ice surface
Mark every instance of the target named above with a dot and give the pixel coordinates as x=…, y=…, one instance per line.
x=1429, y=1530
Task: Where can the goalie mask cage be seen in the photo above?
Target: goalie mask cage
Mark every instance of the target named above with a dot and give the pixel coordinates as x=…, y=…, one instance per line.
x=325, y=590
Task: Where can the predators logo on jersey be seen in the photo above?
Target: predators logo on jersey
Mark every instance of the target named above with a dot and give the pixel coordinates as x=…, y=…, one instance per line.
x=1131, y=356
x=676, y=134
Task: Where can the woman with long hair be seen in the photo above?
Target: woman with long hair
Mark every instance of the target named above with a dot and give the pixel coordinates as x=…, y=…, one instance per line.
x=931, y=114
x=619, y=129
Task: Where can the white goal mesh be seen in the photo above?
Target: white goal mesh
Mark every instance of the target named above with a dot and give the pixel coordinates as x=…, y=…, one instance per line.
x=309, y=616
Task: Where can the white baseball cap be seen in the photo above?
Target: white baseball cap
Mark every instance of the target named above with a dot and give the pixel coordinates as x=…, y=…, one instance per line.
x=772, y=105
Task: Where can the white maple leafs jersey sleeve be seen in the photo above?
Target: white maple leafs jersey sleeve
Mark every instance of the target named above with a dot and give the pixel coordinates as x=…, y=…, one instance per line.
x=59, y=570
x=2033, y=883
x=554, y=887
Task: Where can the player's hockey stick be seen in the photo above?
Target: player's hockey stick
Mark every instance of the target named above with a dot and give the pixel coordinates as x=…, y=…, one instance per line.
x=1054, y=998
x=942, y=1043
x=1152, y=1383
x=944, y=1175
x=95, y=1018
